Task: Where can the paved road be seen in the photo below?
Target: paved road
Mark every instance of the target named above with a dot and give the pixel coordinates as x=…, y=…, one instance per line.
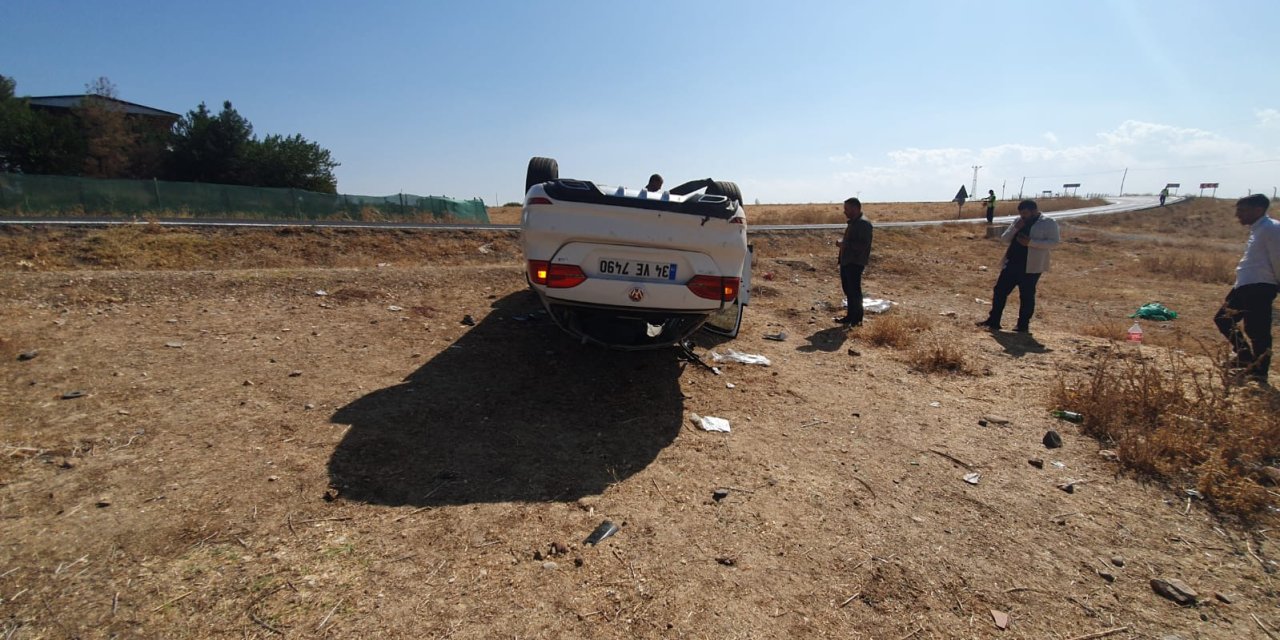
x=1116, y=205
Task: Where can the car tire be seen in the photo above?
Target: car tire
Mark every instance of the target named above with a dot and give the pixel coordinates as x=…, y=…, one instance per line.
x=727, y=189
x=541, y=170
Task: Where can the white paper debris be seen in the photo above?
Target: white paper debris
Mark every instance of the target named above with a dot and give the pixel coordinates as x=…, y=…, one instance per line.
x=710, y=423
x=744, y=358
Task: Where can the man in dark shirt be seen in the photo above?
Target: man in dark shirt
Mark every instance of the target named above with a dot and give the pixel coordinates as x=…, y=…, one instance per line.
x=855, y=253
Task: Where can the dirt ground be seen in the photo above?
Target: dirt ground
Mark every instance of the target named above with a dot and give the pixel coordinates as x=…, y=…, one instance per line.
x=250, y=434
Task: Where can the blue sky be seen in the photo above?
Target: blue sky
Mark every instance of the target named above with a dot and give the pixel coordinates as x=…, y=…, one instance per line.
x=795, y=101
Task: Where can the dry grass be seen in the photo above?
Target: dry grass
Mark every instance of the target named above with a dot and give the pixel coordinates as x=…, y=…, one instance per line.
x=940, y=354
x=893, y=330
x=1216, y=267
x=1182, y=423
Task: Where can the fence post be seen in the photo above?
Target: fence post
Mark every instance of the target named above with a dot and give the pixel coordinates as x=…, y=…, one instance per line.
x=156, y=183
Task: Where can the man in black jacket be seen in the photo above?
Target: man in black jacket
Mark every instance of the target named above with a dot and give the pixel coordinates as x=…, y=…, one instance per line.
x=855, y=253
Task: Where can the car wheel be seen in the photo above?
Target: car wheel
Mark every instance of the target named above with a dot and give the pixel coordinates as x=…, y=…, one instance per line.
x=727, y=189
x=541, y=170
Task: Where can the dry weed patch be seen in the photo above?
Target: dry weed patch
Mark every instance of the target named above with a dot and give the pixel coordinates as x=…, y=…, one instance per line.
x=1202, y=266
x=898, y=331
x=940, y=354
x=1181, y=423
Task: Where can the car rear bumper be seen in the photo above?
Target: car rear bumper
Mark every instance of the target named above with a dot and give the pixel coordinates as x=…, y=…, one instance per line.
x=624, y=328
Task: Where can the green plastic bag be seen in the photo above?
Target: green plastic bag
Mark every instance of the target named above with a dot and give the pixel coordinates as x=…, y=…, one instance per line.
x=1154, y=311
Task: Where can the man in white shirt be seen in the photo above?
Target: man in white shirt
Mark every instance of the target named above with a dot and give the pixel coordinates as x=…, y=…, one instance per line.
x=1245, y=316
x=1030, y=238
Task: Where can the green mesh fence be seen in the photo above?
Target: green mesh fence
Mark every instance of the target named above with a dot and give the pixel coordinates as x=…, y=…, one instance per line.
x=44, y=195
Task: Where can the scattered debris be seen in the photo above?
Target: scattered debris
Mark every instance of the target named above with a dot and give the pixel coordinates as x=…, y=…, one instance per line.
x=486, y=247
x=1036, y=462
x=853, y=352
x=28, y=355
x=728, y=385
x=1222, y=597
x=743, y=358
x=320, y=293
x=709, y=423
x=728, y=562
x=603, y=531
x=1108, y=455
x=1106, y=575
x=947, y=314
x=1070, y=485
x=1052, y=440
x=1155, y=311
x=74, y=394
x=395, y=308
x=1000, y=618
x=1117, y=561
x=175, y=344
x=295, y=373
x=550, y=566
x=876, y=305
x=1175, y=590
x=995, y=419
x=1272, y=474
x=777, y=337
x=103, y=502
x=1069, y=416
x=935, y=405
x=272, y=478
x=558, y=548
x=972, y=478
x=982, y=422
x=331, y=494
x=468, y=320
x=719, y=494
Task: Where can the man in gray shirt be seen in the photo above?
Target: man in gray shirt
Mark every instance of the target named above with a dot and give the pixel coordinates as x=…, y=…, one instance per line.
x=1245, y=316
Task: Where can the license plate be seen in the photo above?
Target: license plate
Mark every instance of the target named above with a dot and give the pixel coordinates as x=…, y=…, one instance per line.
x=638, y=269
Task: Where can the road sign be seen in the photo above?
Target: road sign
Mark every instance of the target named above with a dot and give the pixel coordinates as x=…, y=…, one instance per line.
x=1208, y=185
x=961, y=195
x=1071, y=185
x=1173, y=185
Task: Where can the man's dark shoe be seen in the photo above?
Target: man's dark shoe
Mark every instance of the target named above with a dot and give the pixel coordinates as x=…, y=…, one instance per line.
x=987, y=324
x=853, y=322
x=1022, y=329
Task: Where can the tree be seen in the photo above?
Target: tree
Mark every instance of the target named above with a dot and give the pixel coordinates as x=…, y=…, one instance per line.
x=36, y=142
x=208, y=148
x=110, y=140
x=277, y=161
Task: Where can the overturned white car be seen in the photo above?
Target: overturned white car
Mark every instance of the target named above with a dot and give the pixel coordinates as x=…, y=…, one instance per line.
x=633, y=269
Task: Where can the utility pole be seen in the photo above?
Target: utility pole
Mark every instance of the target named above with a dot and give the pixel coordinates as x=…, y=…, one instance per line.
x=1002, y=183
x=1126, y=175
x=1024, y=183
x=974, y=190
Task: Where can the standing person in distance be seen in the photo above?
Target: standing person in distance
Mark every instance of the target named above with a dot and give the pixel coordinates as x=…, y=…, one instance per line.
x=1164, y=193
x=855, y=253
x=1030, y=238
x=991, y=205
x=1245, y=316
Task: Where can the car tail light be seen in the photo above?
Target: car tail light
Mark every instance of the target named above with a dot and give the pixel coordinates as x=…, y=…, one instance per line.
x=539, y=200
x=538, y=271
x=556, y=276
x=714, y=287
x=737, y=220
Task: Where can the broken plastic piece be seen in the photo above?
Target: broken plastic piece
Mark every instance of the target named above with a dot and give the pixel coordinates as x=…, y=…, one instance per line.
x=603, y=531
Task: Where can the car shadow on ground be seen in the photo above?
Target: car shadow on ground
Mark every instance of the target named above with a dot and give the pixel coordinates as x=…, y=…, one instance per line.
x=514, y=410
x=1019, y=344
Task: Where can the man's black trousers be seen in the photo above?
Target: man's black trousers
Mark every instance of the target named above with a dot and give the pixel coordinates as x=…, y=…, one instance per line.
x=851, y=283
x=1005, y=284
x=1245, y=319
